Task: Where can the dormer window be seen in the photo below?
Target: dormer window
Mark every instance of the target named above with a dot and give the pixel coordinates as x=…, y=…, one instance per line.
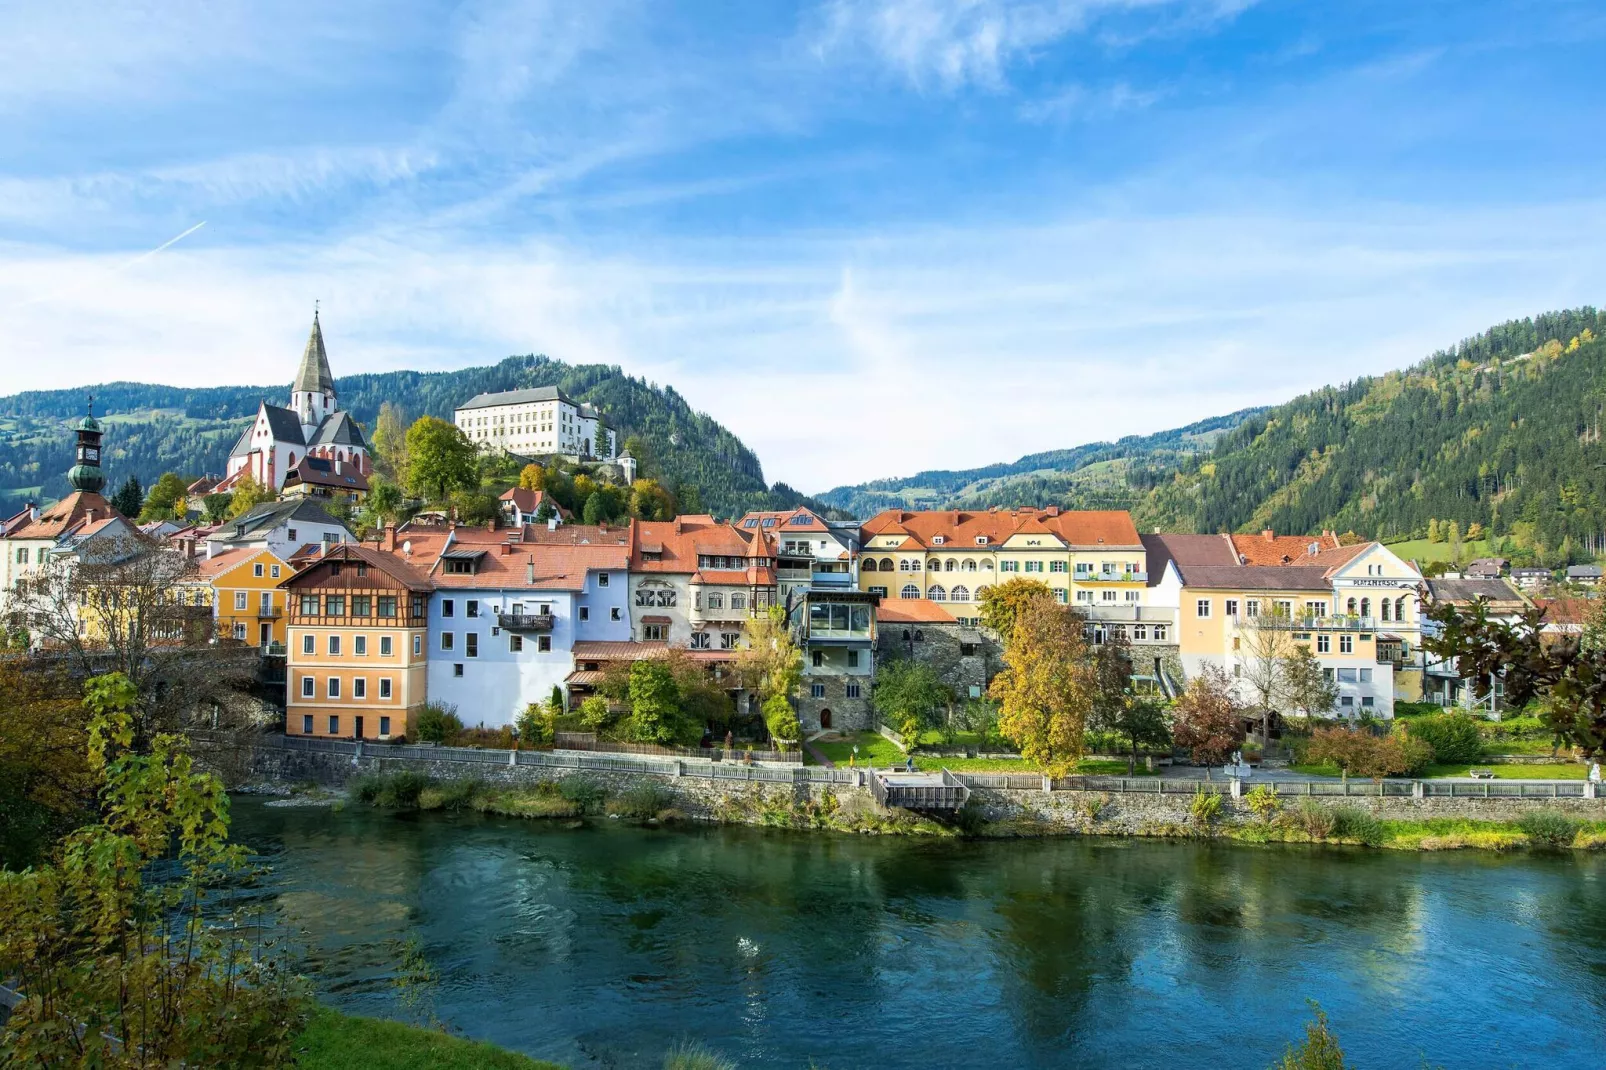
x=981, y=540
x=938, y=540
x=458, y=566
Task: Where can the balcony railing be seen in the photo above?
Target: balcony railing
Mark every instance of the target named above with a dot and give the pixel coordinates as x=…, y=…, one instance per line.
x=269, y=613
x=1112, y=577
x=525, y=622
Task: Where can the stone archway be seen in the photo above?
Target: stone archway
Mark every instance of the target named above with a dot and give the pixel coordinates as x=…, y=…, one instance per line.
x=825, y=717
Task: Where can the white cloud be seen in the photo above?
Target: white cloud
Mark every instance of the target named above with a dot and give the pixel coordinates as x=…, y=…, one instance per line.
x=837, y=357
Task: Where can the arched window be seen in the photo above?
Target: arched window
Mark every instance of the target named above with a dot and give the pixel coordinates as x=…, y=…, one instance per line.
x=920, y=636
x=903, y=566
x=934, y=565
x=1351, y=609
x=906, y=635
x=1384, y=606
x=936, y=593
x=909, y=591
x=1366, y=607
x=1399, y=608
x=987, y=566
x=950, y=565
x=868, y=565
x=970, y=565
x=982, y=590
x=960, y=593
x=886, y=564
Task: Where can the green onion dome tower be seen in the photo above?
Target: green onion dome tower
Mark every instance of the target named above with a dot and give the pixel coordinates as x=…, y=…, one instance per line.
x=86, y=475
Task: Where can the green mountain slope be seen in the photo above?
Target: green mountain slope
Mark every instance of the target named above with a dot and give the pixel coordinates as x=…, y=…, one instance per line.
x=1503, y=430
x=153, y=429
x=1099, y=475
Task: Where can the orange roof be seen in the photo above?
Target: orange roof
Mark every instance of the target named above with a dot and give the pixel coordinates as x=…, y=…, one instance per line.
x=528, y=501
x=65, y=515
x=677, y=543
x=1269, y=548
x=959, y=529
x=219, y=563
x=593, y=650
x=912, y=611
x=532, y=566
x=1567, y=611
x=410, y=571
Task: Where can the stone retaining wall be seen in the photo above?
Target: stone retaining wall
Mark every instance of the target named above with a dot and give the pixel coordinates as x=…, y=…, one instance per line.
x=1106, y=812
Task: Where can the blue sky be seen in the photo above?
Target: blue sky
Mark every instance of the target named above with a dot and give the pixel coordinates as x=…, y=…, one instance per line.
x=870, y=237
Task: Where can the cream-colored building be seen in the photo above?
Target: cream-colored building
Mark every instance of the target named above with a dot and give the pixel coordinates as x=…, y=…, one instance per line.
x=1091, y=559
x=534, y=422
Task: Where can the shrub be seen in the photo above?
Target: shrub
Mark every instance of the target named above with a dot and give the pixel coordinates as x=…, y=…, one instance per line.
x=1353, y=823
x=438, y=723
x=1360, y=753
x=536, y=725
x=1319, y=1051
x=1314, y=818
x=1262, y=801
x=458, y=794
x=1454, y=737
x=1548, y=828
x=1204, y=807
x=1416, y=709
x=583, y=792
x=393, y=791
x=642, y=800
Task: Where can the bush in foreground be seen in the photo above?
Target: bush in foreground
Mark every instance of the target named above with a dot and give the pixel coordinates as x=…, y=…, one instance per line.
x=1547, y=828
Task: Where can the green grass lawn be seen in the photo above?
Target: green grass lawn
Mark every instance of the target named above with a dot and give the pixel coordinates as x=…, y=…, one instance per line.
x=1424, y=551
x=876, y=749
x=335, y=1041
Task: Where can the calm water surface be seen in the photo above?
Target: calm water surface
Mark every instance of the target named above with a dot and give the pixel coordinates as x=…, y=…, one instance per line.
x=602, y=946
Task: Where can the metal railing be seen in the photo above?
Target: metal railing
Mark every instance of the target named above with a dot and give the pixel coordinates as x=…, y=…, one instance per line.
x=586, y=741
x=525, y=622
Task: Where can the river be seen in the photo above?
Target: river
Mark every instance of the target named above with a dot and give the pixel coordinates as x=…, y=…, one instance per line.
x=604, y=945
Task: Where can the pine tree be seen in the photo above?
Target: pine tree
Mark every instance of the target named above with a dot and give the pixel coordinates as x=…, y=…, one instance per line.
x=130, y=497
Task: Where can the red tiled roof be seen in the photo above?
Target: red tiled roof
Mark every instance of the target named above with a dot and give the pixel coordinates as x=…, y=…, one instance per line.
x=959, y=529
x=66, y=515
x=912, y=611
x=1268, y=548
x=559, y=567
x=529, y=501
x=680, y=541
x=1567, y=611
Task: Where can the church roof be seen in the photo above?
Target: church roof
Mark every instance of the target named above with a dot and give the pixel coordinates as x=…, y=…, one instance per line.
x=338, y=429
x=314, y=376
x=284, y=424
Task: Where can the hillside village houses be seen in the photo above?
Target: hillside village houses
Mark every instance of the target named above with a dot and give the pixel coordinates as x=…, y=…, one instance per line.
x=491, y=618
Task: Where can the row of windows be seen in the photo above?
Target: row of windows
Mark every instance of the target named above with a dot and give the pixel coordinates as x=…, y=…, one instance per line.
x=1390, y=610
x=256, y=570
x=334, y=724
x=361, y=605
x=1140, y=633
x=818, y=691
x=359, y=645
x=333, y=687
x=705, y=641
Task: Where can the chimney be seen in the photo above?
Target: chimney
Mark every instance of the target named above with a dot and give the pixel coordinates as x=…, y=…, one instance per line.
x=389, y=539
x=677, y=525
x=1268, y=534
x=552, y=522
x=89, y=517
x=507, y=548
x=490, y=525
x=529, y=571
x=33, y=511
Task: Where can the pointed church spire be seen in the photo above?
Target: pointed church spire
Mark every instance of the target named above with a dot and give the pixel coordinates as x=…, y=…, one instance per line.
x=314, y=376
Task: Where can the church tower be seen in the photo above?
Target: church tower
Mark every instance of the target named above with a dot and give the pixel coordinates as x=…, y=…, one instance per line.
x=85, y=474
x=312, y=397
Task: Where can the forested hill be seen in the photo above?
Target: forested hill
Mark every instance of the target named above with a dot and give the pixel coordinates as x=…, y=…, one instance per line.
x=1099, y=475
x=1503, y=430
x=154, y=429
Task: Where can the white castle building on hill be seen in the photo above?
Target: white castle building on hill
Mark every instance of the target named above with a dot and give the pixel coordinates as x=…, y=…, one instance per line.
x=535, y=422
x=313, y=425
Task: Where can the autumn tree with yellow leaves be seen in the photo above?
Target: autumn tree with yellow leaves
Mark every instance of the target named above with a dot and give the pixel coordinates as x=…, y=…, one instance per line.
x=1045, y=692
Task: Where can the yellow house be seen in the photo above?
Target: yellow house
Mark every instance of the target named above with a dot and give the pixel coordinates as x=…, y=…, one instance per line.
x=1356, y=607
x=1087, y=558
x=248, y=595
x=357, y=656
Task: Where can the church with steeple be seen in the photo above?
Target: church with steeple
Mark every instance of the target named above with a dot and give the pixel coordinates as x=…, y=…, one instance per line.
x=312, y=426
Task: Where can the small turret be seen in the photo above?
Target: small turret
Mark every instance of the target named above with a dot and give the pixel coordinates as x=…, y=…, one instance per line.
x=86, y=474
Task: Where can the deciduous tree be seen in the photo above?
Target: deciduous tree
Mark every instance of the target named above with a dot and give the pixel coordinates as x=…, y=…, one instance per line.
x=1307, y=687
x=166, y=499
x=1267, y=641
x=1045, y=691
x=532, y=477
x=1002, y=604
x=655, y=714
x=247, y=495
x=390, y=442
x=440, y=459
x=1363, y=754
x=1208, y=718
x=907, y=694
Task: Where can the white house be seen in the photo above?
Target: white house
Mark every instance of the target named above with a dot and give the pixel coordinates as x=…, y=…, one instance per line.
x=506, y=613
x=283, y=527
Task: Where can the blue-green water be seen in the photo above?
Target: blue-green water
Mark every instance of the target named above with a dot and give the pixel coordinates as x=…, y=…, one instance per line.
x=603, y=946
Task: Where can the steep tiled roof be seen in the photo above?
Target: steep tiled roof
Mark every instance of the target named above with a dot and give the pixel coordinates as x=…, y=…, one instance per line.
x=959, y=529
x=591, y=650
x=913, y=611
x=338, y=429
x=677, y=543
x=409, y=572
x=534, y=566
x=320, y=472
x=270, y=515
x=1161, y=549
x=284, y=424
x=529, y=501
x=1567, y=612
x=314, y=376
x=799, y=519
x=69, y=514
x=219, y=563
x=1269, y=548
x=1460, y=591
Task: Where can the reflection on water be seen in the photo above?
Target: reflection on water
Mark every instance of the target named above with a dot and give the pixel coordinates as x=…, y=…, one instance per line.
x=604, y=945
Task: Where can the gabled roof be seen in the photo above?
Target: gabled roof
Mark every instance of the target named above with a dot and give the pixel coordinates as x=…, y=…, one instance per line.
x=269, y=515
x=1567, y=613
x=1466, y=591
x=959, y=529
x=215, y=566
x=408, y=573
x=1162, y=549
x=784, y=520
x=321, y=472
x=500, y=563
x=675, y=544
x=515, y=397
x=314, y=376
x=283, y=424
x=69, y=514
x=529, y=501
x=338, y=429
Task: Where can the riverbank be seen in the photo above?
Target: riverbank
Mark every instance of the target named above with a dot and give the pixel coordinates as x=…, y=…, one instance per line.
x=336, y=1041
x=1400, y=815
x=1207, y=815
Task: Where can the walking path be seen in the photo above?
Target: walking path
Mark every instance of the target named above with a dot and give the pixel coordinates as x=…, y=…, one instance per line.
x=817, y=756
